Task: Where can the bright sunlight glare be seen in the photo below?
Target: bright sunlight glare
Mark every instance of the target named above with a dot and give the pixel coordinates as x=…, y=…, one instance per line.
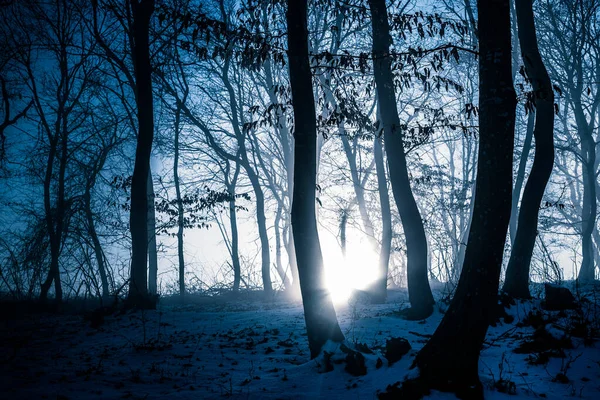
x=356, y=271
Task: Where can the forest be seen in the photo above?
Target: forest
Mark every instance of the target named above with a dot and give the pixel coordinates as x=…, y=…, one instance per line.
x=299, y=199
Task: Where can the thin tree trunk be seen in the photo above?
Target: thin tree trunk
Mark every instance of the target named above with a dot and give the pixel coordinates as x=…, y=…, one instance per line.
x=262, y=230
x=152, y=246
x=278, y=264
x=520, y=179
x=319, y=314
x=380, y=287
x=450, y=360
x=587, y=271
x=178, y=199
x=419, y=292
x=55, y=217
x=98, y=253
x=54, y=251
x=517, y=273
x=343, y=225
x=142, y=11
x=235, y=253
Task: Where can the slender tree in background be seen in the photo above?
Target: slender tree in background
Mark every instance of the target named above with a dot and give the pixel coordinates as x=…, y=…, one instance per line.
x=319, y=314
x=179, y=199
x=520, y=177
x=152, y=245
x=419, y=292
x=380, y=287
x=450, y=359
x=141, y=11
x=517, y=273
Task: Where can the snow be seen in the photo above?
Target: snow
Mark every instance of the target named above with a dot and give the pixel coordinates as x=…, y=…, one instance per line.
x=251, y=349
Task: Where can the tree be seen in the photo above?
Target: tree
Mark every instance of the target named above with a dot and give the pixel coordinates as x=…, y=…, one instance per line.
x=449, y=360
x=570, y=37
x=419, y=292
x=517, y=273
x=141, y=11
x=319, y=314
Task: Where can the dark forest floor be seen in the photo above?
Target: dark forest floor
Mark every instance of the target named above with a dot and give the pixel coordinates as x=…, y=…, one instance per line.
x=247, y=348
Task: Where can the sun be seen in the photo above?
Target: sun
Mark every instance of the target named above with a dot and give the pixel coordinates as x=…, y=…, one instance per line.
x=356, y=271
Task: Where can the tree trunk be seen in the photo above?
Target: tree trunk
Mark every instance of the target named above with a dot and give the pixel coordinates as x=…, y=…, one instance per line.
x=380, y=287
x=54, y=250
x=235, y=253
x=98, y=253
x=516, y=195
x=262, y=229
x=587, y=271
x=55, y=216
x=449, y=361
x=319, y=314
x=419, y=292
x=517, y=273
x=343, y=225
x=278, y=264
x=142, y=11
x=180, y=216
x=152, y=247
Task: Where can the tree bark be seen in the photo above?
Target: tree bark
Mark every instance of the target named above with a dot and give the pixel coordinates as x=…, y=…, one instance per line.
x=419, y=292
x=517, y=273
x=319, y=314
x=449, y=361
x=142, y=11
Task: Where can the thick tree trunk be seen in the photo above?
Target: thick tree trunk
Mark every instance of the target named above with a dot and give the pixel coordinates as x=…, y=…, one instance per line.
x=449, y=361
x=520, y=179
x=517, y=273
x=319, y=314
x=142, y=11
x=419, y=292
x=152, y=246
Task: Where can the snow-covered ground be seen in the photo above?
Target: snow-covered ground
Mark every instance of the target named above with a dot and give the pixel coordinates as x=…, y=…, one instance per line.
x=213, y=348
